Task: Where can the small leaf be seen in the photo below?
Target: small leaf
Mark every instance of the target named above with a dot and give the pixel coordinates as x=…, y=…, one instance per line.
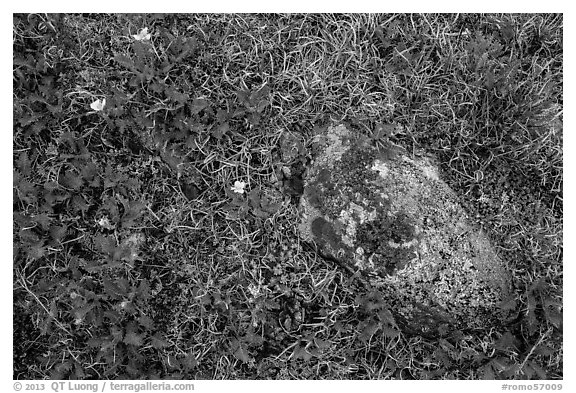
x=197, y=105
x=386, y=316
x=507, y=341
x=220, y=130
x=124, y=61
x=132, y=338
x=243, y=96
x=544, y=350
x=487, y=373
x=190, y=361
x=43, y=220
x=539, y=370
x=158, y=341
x=36, y=250
x=146, y=322
x=390, y=332
x=175, y=95
x=239, y=351
x=368, y=331
x=71, y=181
x=111, y=288
x=301, y=353
x=143, y=290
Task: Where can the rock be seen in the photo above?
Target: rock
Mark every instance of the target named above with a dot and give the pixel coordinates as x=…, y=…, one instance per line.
x=391, y=217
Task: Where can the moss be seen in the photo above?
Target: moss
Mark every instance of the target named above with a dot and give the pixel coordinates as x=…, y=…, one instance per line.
x=313, y=195
x=325, y=234
x=324, y=176
x=374, y=238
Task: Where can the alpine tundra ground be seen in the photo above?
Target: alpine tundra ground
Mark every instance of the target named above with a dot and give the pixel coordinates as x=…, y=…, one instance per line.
x=155, y=237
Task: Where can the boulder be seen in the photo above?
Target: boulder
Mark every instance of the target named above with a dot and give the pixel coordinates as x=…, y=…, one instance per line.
x=389, y=216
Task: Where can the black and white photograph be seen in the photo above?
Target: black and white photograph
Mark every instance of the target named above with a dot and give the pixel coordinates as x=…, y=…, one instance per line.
x=287, y=196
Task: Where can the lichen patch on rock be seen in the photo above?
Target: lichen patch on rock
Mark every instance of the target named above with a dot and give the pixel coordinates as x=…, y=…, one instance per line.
x=391, y=217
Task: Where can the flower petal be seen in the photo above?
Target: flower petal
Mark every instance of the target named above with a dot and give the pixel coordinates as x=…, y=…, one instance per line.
x=142, y=35
x=98, y=105
x=238, y=187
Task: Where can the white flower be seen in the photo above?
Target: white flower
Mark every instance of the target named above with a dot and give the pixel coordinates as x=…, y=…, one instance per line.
x=239, y=187
x=254, y=290
x=142, y=36
x=105, y=223
x=98, y=105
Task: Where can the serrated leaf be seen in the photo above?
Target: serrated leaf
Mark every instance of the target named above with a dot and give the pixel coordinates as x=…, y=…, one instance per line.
x=555, y=318
x=506, y=341
x=262, y=104
x=146, y=322
x=158, y=341
x=543, y=350
x=197, y=105
x=124, y=61
x=143, y=290
x=390, y=332
x=175, y=95
x=80, y=312
x=79, y=204
x=487, y=373
x=241, y=354
x=190, y=361
x=243, y=96
x=24, y=164
x=58, y=232
x=220, y=130
x=94, y=342
x=259, y=94
x=113, y=316
x=442, y=357
x=43, y=220
x=111, y=288
x=132, y=338
x=36, y=250
x=132, y=214
x=539, y=370
x=386, y=317
x=368, y=331
x=105, y=244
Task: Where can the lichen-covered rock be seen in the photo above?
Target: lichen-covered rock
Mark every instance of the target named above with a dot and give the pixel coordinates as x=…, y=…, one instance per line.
x=391, y=217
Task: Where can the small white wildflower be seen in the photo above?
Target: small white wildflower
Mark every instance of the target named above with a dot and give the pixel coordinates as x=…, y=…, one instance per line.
x=98, y=105
x=239, y=187
x=105, y=223
x=254, y=290
x=143, y=35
